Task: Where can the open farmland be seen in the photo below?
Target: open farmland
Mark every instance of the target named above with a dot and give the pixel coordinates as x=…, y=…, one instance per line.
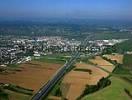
x=120, y=88
x=117, y=57
x=84, y=74
x=127, y=61
x=17, y=96
x=32, y=75
x=126, y=67
x=116, y=91
x=99, y=61
x=54, y=98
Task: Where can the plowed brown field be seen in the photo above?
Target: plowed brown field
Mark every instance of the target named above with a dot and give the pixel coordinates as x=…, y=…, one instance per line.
x=74, y=82
x=33, y=75
x=117, y=57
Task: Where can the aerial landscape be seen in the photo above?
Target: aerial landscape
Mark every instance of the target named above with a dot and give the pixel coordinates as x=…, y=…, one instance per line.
x=65, y=50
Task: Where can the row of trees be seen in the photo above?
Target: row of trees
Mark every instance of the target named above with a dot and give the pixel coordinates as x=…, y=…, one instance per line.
x=104, y=82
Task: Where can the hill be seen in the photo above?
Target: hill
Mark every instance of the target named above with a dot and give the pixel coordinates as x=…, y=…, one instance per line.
x=116, y=91
x=124, y=46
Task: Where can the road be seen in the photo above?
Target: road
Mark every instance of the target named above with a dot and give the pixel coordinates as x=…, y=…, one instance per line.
x=43, y=92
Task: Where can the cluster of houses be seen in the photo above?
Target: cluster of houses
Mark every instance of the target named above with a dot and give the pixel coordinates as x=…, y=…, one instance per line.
x=22, y=49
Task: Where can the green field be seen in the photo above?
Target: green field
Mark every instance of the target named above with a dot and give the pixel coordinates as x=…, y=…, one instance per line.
x=121, y=81
x=51, y=60
x=13, y=92
x=3, y=95
x=126, y=67
x=113, y=92
x=127, y=61
x=17, y=96
x=124, y=46
x=122, y=71
x=111, y=35
x=55, y=58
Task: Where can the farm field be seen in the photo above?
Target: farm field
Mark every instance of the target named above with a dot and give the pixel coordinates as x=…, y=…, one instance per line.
x=126, y=67
x=32, y=75
x=116, y=91
x=18, y=96
x=54, y=98
x=84, y=74
x=127, y=61
x=124, y=46
x=117, y=57
x=119, y=85
x=99, y=61
x=54, y=58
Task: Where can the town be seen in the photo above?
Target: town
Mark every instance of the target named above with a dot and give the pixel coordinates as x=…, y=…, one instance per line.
x=20, y=50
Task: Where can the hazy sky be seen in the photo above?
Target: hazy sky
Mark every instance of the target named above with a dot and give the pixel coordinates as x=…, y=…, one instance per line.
x=98, y=9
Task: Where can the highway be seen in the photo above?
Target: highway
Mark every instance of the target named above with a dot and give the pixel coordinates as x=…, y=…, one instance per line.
x=43, y=92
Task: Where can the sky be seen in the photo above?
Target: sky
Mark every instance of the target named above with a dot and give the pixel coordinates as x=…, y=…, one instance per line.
x=79, y=9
